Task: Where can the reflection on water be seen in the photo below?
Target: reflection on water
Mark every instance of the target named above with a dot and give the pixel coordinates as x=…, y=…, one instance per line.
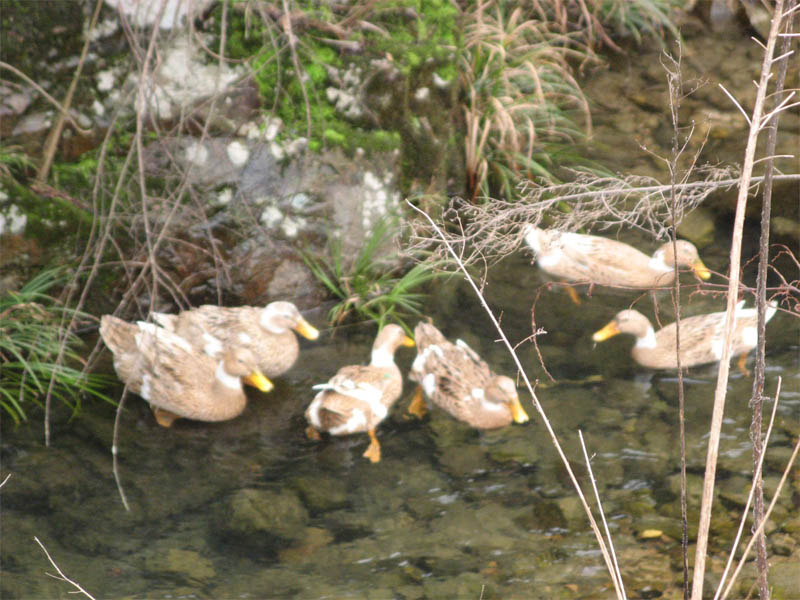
x=251, y=508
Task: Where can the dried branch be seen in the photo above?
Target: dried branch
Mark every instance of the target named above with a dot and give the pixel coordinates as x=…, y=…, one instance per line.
x=521, y=371
x=492, y=230
x=757, y=470
x=724, y=364
x=61, y=576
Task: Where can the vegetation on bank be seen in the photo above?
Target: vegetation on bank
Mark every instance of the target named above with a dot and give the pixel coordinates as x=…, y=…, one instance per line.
x=475, y=96
x=39, y=355
x=508, y=107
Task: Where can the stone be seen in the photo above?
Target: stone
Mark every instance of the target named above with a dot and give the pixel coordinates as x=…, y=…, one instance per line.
x=698, y=227
x=185, y=564
x=263, y=518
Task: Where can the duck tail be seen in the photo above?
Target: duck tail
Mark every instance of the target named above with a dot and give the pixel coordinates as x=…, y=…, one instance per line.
x=118, y=335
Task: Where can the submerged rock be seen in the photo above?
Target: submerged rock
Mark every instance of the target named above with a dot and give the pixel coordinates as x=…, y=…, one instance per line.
x=263, y=519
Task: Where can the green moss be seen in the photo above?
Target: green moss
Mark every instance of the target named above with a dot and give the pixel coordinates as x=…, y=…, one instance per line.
x=334, y=137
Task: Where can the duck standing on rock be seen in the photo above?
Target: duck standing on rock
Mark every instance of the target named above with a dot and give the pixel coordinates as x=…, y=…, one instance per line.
x=175, y=379
x=358, y=397
x=266, y=332
x=702, y=337
x=580, y=258
x=455, y=378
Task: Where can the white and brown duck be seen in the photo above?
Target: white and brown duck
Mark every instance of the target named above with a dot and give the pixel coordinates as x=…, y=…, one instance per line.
x=595, y=260
x=267, y=332
x=175, y=379
x=701, y=337
x=458, y=381
x=359, y=397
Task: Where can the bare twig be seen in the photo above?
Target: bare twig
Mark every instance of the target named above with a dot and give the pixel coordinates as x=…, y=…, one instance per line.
x=617, y=574
x=115, y=452
x=61, y=576
x=756, y=399
x=760, y=527
x=757, y=470
x=598, y=535
x=724, y=364
x=51, y=143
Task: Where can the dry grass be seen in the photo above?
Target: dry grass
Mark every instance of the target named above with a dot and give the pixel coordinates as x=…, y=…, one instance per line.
x=520, y=91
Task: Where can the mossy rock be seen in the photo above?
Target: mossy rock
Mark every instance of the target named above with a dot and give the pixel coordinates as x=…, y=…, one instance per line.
x=263, y=519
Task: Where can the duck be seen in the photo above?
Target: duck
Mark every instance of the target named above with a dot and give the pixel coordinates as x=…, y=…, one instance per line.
x=359, y=397
x=176, y=380
x=267, y=332
x=701, y=337
x=581, y=258
x=457, y=380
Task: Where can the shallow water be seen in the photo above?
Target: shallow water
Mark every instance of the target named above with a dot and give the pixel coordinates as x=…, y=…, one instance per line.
x=250, y=508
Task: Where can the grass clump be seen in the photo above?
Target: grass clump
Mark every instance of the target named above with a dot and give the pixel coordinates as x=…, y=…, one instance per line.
x=31, y=339
x=374, y=285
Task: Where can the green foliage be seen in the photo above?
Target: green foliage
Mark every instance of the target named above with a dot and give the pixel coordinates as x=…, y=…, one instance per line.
x=372, y=286
x=642, y=17
x=31, y=336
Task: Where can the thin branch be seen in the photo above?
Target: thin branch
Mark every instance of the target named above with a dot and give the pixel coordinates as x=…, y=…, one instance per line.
x=724, y=364
x=598, y=535
x=61, y=576
x=735, y=103
x=613, y=553
x=760, y=528
x=745, y=512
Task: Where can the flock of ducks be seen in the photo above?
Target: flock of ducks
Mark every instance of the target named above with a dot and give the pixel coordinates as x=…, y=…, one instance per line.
x=193, y=364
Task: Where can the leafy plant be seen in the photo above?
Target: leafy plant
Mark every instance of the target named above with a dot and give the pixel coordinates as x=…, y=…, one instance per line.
x=31, y=336
x=373, y=285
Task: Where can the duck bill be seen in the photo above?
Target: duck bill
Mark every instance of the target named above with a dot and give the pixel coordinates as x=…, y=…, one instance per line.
x=306, y=329
x=700, y=270
x=408, y=342
x=518, y=413
x=606, y=332
x=258, y=381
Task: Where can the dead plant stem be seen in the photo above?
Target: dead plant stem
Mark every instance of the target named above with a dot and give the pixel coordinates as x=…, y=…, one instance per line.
x=51, y=143
x=757, y=471
x=733, y=285
x=620, y=592
x=61, y=576
x=756, y=400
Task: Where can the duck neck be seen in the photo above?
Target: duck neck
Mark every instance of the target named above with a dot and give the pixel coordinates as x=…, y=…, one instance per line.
x=648, y=340
x=225, y=379
x=381, y=357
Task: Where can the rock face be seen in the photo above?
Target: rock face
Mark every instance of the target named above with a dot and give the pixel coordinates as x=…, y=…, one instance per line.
x=260, y=206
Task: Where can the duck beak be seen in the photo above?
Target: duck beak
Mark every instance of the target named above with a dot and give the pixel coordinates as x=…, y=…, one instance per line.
x=517, y=412
x=606, y=332
x=258, y=381
x=407, y=341
x=306, y=329
x=700, y=270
